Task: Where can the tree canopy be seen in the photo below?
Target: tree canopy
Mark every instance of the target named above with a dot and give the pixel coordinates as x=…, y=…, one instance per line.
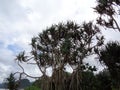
x=110, y=56
x=60, y=45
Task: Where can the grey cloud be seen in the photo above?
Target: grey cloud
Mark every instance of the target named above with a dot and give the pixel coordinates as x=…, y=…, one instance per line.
x=46, y=8
x=6, y=56
x=11, y=10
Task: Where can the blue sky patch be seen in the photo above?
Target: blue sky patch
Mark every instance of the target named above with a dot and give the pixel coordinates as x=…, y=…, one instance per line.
x=14, y=48
x=1, y=44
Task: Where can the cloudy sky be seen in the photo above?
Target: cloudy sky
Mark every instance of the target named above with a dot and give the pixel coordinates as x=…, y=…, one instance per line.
x=20, y=20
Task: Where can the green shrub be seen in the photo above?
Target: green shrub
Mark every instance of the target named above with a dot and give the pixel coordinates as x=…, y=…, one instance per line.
x=32, y=88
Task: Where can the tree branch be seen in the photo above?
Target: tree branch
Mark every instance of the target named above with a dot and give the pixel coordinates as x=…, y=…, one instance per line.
x=115, y=23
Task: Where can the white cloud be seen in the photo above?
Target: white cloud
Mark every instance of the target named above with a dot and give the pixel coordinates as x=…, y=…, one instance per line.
x=6, y=62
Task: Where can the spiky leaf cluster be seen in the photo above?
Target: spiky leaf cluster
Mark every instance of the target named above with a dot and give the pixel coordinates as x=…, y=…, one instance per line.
x=65, y=44
x=108, y=10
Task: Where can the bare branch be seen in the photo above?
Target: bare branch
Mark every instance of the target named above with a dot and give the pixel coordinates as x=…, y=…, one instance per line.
x=115, y=23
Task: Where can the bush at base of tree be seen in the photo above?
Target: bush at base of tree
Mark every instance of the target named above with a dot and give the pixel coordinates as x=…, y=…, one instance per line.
x=32, y=88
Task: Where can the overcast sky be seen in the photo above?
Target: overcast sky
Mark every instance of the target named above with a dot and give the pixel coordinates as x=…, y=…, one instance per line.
x=20, y=20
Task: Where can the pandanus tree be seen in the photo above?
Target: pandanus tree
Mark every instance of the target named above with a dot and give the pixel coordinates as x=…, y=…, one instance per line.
x=61, y=45
x=110, y=57
x=109, y=11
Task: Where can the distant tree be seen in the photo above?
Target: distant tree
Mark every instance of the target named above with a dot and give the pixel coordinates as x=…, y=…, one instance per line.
x=11, y=83
x=109, y=11
x=110, y=57
x=60, y=45
x=23, y=83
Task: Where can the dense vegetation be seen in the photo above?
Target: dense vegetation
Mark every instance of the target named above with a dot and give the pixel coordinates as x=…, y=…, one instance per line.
x=32, y=88
x=69, y=44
